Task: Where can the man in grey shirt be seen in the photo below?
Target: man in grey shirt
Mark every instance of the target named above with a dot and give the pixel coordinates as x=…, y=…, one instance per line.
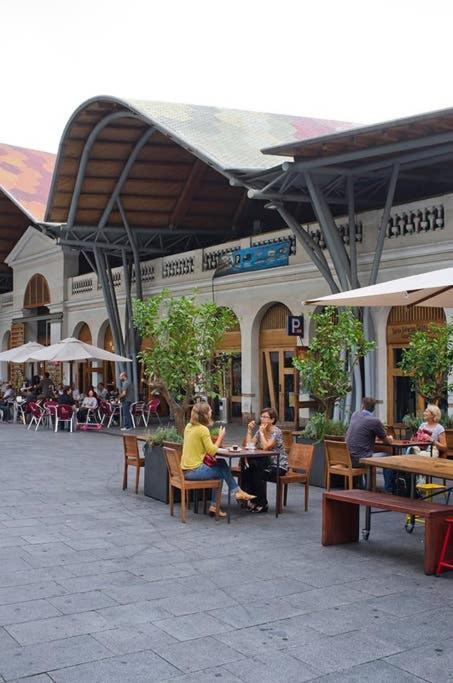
x=360, y=437
x=126, y=397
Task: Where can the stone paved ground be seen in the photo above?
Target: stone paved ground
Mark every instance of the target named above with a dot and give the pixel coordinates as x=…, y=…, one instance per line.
x=100, y=585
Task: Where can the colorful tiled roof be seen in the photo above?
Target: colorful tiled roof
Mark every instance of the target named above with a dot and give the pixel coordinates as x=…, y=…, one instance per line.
x=232, y=138
x=25, y=174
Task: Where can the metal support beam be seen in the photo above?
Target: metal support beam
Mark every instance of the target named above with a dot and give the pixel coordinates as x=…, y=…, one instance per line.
x=312, y=249
x=329, y=229
x=100, y=270
x=103, y=123
x=383, y=226
x=124, y=175
x=185, y=197
x=135, y=251
x=352, y=233
x=357, y=155
x=131, y=337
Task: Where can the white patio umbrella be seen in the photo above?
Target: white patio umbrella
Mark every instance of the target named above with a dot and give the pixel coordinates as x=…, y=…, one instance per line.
x=427, y=289
x=73, y=349
x=21, y=354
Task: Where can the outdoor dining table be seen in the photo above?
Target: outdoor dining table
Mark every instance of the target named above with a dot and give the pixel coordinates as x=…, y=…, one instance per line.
x=412, y=464
x=243, y=454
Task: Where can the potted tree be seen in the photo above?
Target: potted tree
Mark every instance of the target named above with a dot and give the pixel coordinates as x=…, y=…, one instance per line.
x=326, y=373
x=156, y=475
x=181, y=362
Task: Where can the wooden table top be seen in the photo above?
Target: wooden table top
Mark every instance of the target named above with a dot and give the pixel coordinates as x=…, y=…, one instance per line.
x=418, y=464
x=244, y=453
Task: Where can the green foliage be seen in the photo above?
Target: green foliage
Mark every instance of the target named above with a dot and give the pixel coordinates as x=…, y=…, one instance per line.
x=446, y=421
x=181, y=360
x=164, y=434
x=338, y=344
x=318, y=425
x=428, y=359
x=412, y=422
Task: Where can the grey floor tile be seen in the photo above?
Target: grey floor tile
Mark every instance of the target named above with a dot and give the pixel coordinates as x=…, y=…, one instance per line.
x=43, y=630
x=39, y=678
x=344, y=618
x=276, y=667
x=253, y=613
x=139, y=667
x=15, y=613
x=195, y=655
x=197, y=602
x=6, y=641
x=192, y=626
x=378, y=671
x=275, y=635
x=432, y=663
x=19, y=661
x=135, y=613
x=343, y=651
x=82, y=602
x=134, y=639
x=217, y=675
x=138, y=592
x=409, y=602
x=32, y=591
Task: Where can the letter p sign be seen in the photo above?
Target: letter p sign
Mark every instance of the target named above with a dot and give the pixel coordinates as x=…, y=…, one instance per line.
x=295, y=327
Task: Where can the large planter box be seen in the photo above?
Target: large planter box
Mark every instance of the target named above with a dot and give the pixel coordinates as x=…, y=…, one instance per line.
x=156, y=474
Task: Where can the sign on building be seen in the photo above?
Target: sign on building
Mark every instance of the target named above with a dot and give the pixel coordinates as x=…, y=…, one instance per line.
x=295, y=326
x=254, y=258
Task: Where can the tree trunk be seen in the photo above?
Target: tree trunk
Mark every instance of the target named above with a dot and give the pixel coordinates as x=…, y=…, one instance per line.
x=180, y=418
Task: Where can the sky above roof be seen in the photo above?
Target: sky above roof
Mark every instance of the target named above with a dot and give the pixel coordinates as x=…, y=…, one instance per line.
x=348, y=61
x=25, y=174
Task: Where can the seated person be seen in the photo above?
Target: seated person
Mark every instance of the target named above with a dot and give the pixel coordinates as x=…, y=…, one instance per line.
x=268, y=437
x=360, y=437
x=65, y=399
x=6, y=402
x=433, y=433
x=103, y=392
x=90, y=402
x=46, y=387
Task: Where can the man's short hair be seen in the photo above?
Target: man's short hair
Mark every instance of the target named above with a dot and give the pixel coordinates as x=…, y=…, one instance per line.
x=369, y=403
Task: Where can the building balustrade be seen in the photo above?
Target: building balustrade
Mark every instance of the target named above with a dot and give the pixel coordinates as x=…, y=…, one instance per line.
x=177, y=267
x=412, y=222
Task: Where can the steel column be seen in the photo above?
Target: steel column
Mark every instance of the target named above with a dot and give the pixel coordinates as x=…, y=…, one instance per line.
x=135, y=251
x=383, y=226
x=132, y=349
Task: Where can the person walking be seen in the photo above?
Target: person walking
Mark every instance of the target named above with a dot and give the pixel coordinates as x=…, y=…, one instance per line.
x=126, y=397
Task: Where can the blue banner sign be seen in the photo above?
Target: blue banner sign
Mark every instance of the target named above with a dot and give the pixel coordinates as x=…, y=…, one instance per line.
x=254, y=258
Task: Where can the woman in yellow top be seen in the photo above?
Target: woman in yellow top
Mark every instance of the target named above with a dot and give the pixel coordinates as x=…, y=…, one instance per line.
x=198, y=443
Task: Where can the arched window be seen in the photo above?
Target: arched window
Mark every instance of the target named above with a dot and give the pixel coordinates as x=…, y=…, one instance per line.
x=37, y=292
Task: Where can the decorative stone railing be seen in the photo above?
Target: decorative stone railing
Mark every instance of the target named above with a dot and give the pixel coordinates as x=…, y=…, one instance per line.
x=413, y=221
x=81, y=286
x=211, y=258
x=343, y=229
x=273, y=240
x=178, y=266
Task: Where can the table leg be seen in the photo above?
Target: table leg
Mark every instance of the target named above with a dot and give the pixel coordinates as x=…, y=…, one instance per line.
x=371, y=485
x=229, y=503
x=277, y=483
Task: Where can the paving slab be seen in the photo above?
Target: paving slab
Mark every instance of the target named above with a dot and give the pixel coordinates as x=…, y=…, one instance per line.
x=101, y=584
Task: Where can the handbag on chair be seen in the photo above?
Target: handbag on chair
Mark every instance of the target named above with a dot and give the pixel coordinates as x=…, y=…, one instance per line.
x=209, y=460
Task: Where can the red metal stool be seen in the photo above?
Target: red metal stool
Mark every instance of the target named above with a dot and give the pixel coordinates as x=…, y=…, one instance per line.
x=443, y=563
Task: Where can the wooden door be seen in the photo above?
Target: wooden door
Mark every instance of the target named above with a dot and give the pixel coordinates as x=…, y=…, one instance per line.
x=279, y=384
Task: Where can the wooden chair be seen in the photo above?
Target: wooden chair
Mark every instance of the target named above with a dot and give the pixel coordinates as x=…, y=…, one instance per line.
x=300, y=459
x=176, y=480
x=338, y=461
x=132, y=458
x=449, y=440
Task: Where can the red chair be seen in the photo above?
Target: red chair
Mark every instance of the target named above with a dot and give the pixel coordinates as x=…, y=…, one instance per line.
x=151, y=409
x=50, y=407
x=109, y=411
x=137, y=411
x=38, y=415
x=64, y=414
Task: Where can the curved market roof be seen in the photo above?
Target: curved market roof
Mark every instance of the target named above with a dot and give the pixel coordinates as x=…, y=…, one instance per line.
x=181, y=176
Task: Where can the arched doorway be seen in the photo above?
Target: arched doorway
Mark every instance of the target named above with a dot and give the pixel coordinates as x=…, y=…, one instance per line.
x=36, y=325
x=232, y=380
x=85, y=369
x=401, y=324
x=278, y=376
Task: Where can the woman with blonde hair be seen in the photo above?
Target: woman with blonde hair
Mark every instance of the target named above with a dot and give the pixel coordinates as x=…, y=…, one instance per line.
x=198, y=454
x=432, y=432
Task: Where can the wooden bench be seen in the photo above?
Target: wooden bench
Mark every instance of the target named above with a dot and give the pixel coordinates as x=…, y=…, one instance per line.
x=340, y=518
